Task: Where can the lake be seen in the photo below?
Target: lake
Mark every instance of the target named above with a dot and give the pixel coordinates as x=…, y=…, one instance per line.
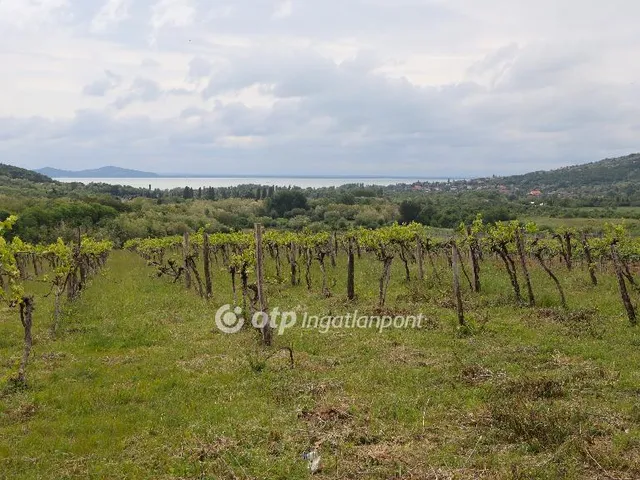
x=195, y=182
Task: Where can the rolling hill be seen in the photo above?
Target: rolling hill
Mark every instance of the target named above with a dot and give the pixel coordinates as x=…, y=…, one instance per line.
x=604, y=173
x=9, y=171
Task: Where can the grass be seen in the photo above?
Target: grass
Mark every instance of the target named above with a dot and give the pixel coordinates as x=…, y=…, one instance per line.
x=585, y=223
x=140, y=384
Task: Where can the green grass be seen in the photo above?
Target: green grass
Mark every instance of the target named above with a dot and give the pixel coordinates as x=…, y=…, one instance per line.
x=139, y=384
x=585, y=223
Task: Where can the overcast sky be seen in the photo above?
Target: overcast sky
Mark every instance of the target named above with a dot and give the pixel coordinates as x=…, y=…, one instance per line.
x=403, y=87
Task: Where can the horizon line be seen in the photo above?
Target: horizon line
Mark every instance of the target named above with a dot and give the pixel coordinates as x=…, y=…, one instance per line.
x=337, y=176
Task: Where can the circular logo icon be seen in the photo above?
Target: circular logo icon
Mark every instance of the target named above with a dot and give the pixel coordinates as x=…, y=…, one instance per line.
x=229, y=320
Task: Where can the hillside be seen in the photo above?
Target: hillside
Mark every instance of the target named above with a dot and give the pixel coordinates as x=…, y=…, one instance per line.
x=9, y=171
x=604, y=173
x=102, y=172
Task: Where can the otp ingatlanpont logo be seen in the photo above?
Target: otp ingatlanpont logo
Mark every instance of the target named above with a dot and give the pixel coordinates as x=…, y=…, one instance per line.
x=228, y=320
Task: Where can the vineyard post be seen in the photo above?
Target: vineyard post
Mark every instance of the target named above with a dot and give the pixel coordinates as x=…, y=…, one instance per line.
x=567, y=239
x=192, y=265
x=82, y=267
x=325, y=288
x=564, y=238
x=262, y=301
x=276, y=249
x=351, y=294
x=308, y=258
x=523, y=263
x=26, y=316
x=456, y=284
x=207, y=265
x=590, y=265
x=333, y=249
x=419, y=257
x=293, y=262
x=624, y=294
x=405, y=261
x=384, y=279
x=232, y=272
x=473, y=253
x=72, y=286
x=185, y=256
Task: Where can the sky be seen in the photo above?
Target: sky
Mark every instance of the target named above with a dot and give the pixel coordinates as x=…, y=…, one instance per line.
x=313, y=87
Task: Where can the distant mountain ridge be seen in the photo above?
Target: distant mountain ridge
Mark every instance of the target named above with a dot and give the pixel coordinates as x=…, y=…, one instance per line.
x=620, y=172
x=102, y=172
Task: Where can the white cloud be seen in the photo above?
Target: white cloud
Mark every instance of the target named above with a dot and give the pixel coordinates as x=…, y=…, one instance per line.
x=101, y=87
x=479, y=87
x=112, y=12
x=283, y=9
x=171, y=13
x=31, y=14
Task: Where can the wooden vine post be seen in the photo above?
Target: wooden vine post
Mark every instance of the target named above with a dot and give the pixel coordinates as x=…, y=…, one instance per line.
x=456, y=284
x=523, y=263
x=624, y=293
x=351, y=290
x=590, y=265
x=26, y=316
x=569, y=250
x=72, y=288
x=333, y=248
x=207, y=265
x=419, y=257
x=185, y=262
x=293, y=253
x=473, y=254
x=262, y=301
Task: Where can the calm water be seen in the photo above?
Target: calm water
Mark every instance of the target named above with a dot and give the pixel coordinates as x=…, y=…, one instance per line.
x=304, y=182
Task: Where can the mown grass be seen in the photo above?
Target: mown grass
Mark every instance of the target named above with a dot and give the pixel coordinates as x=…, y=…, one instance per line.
x=139, y=384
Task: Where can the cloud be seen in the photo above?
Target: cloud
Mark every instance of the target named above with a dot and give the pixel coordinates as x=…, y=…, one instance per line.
x=149, y=63
x=494, y=65
x=112, y=12
x=170, y=13
x=101, y=87
x=30, y=15
x=199, y=68
x=372, y=86
x=283, y=9
x=142, y=90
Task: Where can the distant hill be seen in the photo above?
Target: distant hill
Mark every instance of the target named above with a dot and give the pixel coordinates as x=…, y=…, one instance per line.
x=102, y=172
x=23, y=174
x=596, y=175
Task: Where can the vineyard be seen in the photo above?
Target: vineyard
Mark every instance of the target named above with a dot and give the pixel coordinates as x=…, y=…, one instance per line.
x=64, y=268
x=516, y=246
x=112, y=366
